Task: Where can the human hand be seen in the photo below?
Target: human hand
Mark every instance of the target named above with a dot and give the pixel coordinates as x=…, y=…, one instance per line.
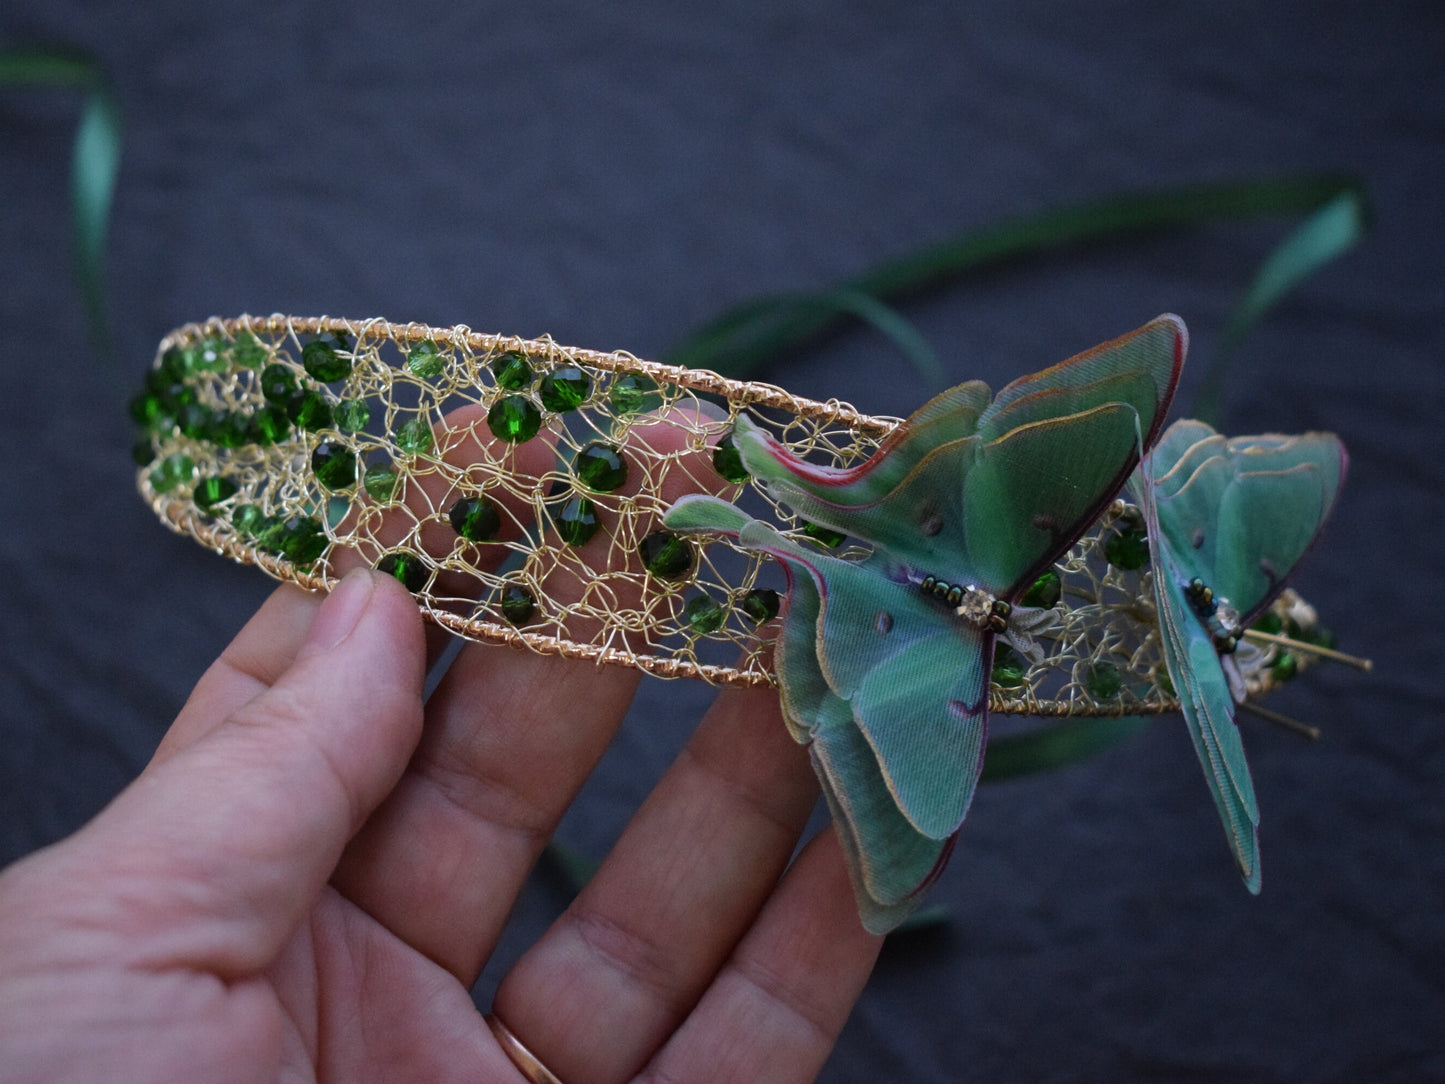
x=313, y=870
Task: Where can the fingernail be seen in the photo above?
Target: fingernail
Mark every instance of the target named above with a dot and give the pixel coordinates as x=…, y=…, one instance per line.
x=340, y=611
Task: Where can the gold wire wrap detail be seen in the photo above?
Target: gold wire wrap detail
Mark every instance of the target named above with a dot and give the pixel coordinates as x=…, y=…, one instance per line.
x=594, y=600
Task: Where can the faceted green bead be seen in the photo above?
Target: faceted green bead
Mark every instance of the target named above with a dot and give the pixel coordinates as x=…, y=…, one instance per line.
x=174, y=364
x=408, y=568
x=600, y=467
x=475, y=518
x=426, y=361
x=248, y=518
x=352, y=415
x=665, y=555
x=278, y=382
x=1319, y=636
x=268, y=425
x=826, y=535
x=705, y=615
x=1162, y=679
x=1104, y=681
x=146, y=409
x=195, y=421
x=247, y=351
x=565, y=389
x=514, y=418
x=517, y=604
x=1009, y=668
x=1285, y=666
x=171, y=472
x=212, y=491
x=512, y=371
x=142, y=452
x=415, y=436
x=1127, y=549
x=728, y=462
x=761, y=604
x=1045, y=592
x=305, y=540
x=577, y=521
x=322, y=361
x=334, y=465
x=380, y=482
x=631, y=393
x=1269, y=622
x=230, y=429
x=309, y=410
x=209, y=355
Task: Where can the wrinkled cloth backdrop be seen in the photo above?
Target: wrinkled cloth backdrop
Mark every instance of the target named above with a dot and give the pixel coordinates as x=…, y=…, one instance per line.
x=614, y=174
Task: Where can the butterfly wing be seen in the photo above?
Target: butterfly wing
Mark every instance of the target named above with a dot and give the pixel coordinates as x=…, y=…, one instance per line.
x=1237, y=515
x=1016, y=484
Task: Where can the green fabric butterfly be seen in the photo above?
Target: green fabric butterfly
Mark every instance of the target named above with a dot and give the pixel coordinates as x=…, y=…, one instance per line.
x=883, y=664
x=1228, y=520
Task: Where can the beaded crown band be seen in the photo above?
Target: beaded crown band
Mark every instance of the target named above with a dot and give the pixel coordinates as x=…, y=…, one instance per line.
x=1050, y=550
x=481, y=469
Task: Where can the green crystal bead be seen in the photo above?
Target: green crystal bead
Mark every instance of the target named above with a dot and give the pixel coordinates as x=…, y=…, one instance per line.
x=565, y=389
x=334, y=465
x=415, y=437
x=1045, y=592
x=705, y=615
x=514, y=418
x=665, y=555
x=209, y=355
x=511, y=371
x=230, y=429
x=268, y=425
x=248, y=518
x=728, y=462
x=145, y=409
x=1104, y=681
x=408, y=569
x=1009, y=668
x=426, y=361
x=142, y=452
x=210, y=492
x=631, y=393
x=517, y=604
x=247, y=351
x=475, y=518
x=195, y=421
x=174, y=365
x=309, y=410
x=576, y=521
x=171, y=471
x=1284, y=667
x=380, y=482
x=1319, y=636
x=322, y=361
x=761, y=604
x=352, y=415
x=826, y=535
x=303, y=540
x=1269, y=622
x=1127, y=549
x=1162, y=679
x=278, y=382
x=600, y=467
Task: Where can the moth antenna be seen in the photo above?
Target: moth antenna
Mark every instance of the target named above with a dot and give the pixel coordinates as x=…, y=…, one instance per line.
x=1304, y=730
x=1365, y=665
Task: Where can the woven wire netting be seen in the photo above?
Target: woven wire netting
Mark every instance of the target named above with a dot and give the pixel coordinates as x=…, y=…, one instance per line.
x=518, y=486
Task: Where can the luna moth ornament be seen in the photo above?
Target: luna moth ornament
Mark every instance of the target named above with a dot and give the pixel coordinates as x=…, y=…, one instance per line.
x=1227, y=520
x=883, y=664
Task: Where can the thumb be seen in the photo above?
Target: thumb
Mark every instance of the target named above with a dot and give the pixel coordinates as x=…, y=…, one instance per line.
x=220, y=850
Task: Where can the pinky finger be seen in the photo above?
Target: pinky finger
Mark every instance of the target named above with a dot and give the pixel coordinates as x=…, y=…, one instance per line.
x=775, y=1009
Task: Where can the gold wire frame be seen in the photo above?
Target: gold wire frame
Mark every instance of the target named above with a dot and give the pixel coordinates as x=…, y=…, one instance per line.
x=417, y=401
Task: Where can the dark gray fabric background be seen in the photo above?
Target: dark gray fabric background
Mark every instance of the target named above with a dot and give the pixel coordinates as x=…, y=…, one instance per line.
x=614, y=173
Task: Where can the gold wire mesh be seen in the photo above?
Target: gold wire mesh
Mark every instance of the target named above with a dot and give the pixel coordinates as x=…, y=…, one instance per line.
x=414, y=414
